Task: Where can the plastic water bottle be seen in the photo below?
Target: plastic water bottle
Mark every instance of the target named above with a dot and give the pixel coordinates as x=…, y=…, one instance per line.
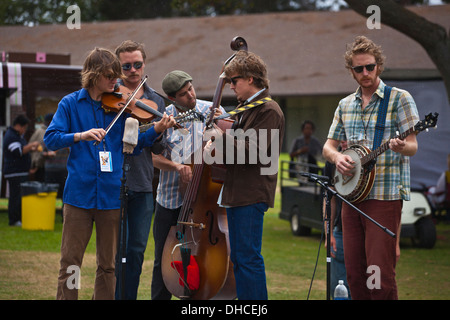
x=340, y=292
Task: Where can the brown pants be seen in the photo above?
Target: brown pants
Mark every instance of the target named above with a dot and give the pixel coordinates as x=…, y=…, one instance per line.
x=77, y=230
x=369, y=252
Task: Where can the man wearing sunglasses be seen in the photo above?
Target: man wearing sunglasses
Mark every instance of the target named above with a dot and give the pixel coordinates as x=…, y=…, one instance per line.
x=367, y=247
x=140, y=177
x=248, y=191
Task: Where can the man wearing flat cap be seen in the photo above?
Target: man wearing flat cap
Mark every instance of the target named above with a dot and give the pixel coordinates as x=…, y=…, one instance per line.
x=178, y=148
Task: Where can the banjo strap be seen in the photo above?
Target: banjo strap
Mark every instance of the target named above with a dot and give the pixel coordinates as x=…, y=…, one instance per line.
x=381, y=119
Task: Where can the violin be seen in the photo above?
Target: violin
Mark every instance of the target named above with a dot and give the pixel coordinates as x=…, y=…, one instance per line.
x=120, y=104
x=141, y=109
x=123, y=99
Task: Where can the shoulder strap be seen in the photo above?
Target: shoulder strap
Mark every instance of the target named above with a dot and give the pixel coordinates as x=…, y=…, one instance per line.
x=379, y=127
x=244, y=107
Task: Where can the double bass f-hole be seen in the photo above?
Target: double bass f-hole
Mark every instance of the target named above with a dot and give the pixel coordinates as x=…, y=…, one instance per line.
x=211, y=225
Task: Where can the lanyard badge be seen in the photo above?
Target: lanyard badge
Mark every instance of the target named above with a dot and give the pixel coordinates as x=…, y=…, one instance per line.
x=105, y=161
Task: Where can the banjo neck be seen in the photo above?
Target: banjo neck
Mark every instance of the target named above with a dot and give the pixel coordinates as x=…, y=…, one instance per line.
x=375, y=153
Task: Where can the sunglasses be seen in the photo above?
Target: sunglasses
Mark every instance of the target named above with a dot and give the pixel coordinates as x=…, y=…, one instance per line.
x=369, y=67
x=110, y=76
x=235, y=79
x=136, y=65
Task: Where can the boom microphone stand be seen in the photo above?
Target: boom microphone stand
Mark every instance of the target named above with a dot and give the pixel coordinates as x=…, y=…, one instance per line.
x=323, y=181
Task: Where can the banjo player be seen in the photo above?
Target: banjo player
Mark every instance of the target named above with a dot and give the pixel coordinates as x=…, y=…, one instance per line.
x=355, y=119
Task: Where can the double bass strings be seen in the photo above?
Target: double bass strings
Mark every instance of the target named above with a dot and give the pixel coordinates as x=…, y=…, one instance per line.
x=193, y=185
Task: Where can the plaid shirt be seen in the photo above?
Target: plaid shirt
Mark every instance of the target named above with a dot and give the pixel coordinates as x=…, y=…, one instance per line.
x=357, y=126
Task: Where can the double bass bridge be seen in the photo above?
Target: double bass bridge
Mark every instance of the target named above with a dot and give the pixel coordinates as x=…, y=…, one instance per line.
x=192, y=224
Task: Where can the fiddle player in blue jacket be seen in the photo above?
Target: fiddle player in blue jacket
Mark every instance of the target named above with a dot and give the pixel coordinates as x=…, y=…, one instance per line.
x=93, y=184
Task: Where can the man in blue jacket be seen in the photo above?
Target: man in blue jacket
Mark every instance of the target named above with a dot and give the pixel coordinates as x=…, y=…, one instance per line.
x=92, y=190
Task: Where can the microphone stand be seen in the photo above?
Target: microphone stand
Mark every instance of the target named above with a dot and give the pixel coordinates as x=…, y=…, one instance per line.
x=323, y=181
x=129, y=142
x=122, y=243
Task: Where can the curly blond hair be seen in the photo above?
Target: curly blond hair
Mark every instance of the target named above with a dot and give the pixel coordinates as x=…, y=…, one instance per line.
x=362, y=45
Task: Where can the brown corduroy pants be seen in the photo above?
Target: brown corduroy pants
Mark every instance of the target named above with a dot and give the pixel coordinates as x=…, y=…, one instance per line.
x=369, y=252
x=77, y=231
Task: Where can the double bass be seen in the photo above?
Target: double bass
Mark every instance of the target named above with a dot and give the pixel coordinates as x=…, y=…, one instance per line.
x=196, y=261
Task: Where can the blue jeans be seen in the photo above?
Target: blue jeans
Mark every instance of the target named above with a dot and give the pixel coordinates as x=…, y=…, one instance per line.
x=245, y=226
x=139, y=214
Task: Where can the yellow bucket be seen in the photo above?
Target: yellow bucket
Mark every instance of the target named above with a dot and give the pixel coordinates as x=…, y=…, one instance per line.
x=38, y=211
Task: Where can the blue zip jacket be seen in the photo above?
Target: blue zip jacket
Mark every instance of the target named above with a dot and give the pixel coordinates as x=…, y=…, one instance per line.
x=15, y=162
x=87, y=186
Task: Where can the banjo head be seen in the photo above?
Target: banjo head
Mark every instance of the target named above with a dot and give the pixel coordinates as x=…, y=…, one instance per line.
x=346, y=185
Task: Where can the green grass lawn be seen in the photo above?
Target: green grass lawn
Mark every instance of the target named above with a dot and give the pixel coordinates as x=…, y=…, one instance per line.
x=29, y=263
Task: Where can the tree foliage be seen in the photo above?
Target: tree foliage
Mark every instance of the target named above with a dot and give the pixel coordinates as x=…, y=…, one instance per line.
x=434, y=38
x=35, y=12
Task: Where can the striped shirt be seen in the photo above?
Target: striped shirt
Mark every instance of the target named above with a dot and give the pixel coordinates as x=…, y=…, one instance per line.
x=179, y=148
x=357, y=126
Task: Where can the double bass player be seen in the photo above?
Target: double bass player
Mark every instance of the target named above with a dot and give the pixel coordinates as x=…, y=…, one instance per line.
x=179, y=87
x=247, y=191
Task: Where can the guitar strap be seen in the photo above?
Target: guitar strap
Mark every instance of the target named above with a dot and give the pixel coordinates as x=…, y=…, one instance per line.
x=381, y=119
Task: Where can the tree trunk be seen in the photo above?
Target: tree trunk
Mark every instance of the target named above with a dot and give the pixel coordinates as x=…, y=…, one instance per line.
x=431, y=36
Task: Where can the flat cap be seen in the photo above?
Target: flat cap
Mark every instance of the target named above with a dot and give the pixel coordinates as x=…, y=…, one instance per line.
x=174, y=81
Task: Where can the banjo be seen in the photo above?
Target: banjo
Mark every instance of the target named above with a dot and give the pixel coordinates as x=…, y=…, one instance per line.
x=357, y=187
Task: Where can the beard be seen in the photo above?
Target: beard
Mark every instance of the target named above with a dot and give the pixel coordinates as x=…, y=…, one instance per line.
x=367, y=81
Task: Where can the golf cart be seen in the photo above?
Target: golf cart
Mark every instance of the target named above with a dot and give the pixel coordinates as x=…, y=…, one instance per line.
x=301, y=205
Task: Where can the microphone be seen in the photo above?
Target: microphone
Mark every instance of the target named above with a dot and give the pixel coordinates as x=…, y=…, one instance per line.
x=314, y=177
x=130, y=135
